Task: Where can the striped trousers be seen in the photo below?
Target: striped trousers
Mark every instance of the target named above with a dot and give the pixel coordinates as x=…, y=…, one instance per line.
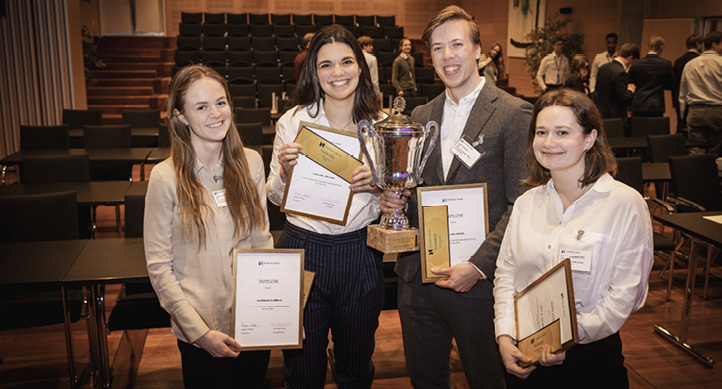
x=346, y=298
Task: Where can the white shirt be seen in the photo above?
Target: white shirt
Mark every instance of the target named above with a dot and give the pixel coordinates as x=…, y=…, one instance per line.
x=453, y=122
x=553, y=70
x=701, y=81
x=373, y=70
x=616, y=228
x=364, y=206
x=599, y=60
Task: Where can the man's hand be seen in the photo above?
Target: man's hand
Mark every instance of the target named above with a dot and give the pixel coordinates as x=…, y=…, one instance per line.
x=462, y=277
x=547, y=358
x=511, y=355
x=218, y=344
x=391, y=202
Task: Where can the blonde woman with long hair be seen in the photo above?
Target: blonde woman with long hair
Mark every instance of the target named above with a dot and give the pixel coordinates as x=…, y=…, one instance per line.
x=205, y=200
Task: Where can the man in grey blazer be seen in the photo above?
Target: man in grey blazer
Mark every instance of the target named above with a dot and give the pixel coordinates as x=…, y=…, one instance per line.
x=495, y=124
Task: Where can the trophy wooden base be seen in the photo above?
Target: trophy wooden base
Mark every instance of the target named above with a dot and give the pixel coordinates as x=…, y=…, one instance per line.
x=389, y=241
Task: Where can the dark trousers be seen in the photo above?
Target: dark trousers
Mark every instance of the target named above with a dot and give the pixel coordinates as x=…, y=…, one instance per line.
x=346, y=297
x=595, y=365
x=202, y=370
x=431, y=317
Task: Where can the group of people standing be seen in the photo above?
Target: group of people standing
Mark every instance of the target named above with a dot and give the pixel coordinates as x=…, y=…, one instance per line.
x=210, y=196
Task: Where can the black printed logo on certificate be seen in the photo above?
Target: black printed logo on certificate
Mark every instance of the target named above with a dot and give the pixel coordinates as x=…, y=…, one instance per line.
x=269, y=289
x=468, y=224
x=318, y=185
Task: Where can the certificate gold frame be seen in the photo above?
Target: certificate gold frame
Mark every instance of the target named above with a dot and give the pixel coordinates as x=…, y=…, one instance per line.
x=535, y=288
x=298, y=343
x=426, y=275
x=289, y=180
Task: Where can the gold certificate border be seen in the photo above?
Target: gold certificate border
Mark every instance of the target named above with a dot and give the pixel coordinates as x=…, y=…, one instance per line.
x=566, y=266
x=420, y=206
x=341, y=222
x=301, y=253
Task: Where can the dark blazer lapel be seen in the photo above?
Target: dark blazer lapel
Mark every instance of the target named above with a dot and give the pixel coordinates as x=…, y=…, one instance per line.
x=478, y=118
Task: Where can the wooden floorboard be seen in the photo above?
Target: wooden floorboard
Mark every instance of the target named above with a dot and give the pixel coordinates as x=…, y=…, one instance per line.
x=35, y=357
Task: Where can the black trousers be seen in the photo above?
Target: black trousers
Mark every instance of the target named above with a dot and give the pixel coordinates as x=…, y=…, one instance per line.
x=202, y=370
x=346, y=297
x=595, y=365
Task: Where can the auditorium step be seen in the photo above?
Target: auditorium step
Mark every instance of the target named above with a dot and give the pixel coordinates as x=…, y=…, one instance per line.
x=136, y=77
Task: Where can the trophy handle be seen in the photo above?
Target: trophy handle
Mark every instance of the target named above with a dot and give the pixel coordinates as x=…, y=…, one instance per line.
x=432, y=143
x=362, y=126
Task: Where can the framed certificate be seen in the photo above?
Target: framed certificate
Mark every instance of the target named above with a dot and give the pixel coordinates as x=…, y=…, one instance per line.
x=545, y=313
x=267, y=311
x=318, y=185
x=453, y=239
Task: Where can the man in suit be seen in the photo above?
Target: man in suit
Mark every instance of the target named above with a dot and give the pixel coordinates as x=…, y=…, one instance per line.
x=614, y=90
x=695, y=45
x=495, y=124
x=651, y=75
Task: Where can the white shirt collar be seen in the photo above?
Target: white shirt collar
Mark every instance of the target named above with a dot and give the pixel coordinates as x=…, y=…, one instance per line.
x=602, y=185
x=469, y=99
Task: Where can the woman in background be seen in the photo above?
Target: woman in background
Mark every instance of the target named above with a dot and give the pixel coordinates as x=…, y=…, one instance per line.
x=491, y=64
x=205, y=200
x=578, y=78
x=575, y=205
x=347, y=292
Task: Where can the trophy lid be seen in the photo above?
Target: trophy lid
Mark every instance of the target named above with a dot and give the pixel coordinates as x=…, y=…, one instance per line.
x=397, y=120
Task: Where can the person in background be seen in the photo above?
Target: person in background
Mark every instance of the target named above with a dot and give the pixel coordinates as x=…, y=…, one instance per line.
x=494, y=123
x=347, y=292
x=651, y=75
x=614, y=90
x=553, y=68
x=578, y=74
x=301, y=57
x=367, y=45
x=700, y=93
x=603, y=58
x=695, y=46
x=491, y=65
x=205, y=200
x=403, y=73
x=574, y=204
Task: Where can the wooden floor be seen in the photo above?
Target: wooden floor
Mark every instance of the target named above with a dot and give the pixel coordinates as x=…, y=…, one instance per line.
x=36, y=358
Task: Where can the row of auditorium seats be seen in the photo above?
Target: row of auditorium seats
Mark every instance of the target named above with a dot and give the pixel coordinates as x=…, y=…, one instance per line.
x=183, y=43
x=286, y=19
x=219, y=30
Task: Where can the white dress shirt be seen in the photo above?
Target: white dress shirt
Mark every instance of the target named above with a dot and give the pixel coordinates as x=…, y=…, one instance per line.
x=364, y=206
x=611, y=221
x=453, y=122
x=599, y=60
x=553, y=70
x=701, y=82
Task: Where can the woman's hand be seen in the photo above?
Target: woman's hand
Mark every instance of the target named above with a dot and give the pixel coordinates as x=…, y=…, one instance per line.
x=287, y=157
x=391, y=202
x=218, y=344
x=548, y=358
x=361, y=181
x=511, y=355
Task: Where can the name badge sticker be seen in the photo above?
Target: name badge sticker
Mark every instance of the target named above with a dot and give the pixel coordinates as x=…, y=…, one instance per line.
x=466, y=153
x=581, y=259
x=220, y=196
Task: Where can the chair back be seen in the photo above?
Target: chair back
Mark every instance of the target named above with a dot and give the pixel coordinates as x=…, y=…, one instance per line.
x=613, y=127
x=250, y=133
x=661, y=147
x=629, y=172
x=253, y=115
x=134, y=212
x=642, y=126
x=695, y=178
x=141, y=118
x=44, y=138
x=77, y=118
x=32, y=218
x=413, y=102
x=104, y=137
x=163, y=136
x=55, y=169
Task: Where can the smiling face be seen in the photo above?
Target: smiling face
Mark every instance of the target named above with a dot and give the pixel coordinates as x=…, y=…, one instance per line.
x=455, y=57
x=406, y=46
x=206, y=112
x=495, y=51
x=560, y=143
x=611, y=45
x=337, y=71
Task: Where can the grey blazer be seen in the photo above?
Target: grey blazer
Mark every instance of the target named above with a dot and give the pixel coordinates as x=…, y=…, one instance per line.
x=503, y=120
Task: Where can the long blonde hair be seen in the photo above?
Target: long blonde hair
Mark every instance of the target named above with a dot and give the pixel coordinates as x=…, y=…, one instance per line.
x=242, y=195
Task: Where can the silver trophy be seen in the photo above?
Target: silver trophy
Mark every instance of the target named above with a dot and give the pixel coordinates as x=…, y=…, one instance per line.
x=397, y=165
